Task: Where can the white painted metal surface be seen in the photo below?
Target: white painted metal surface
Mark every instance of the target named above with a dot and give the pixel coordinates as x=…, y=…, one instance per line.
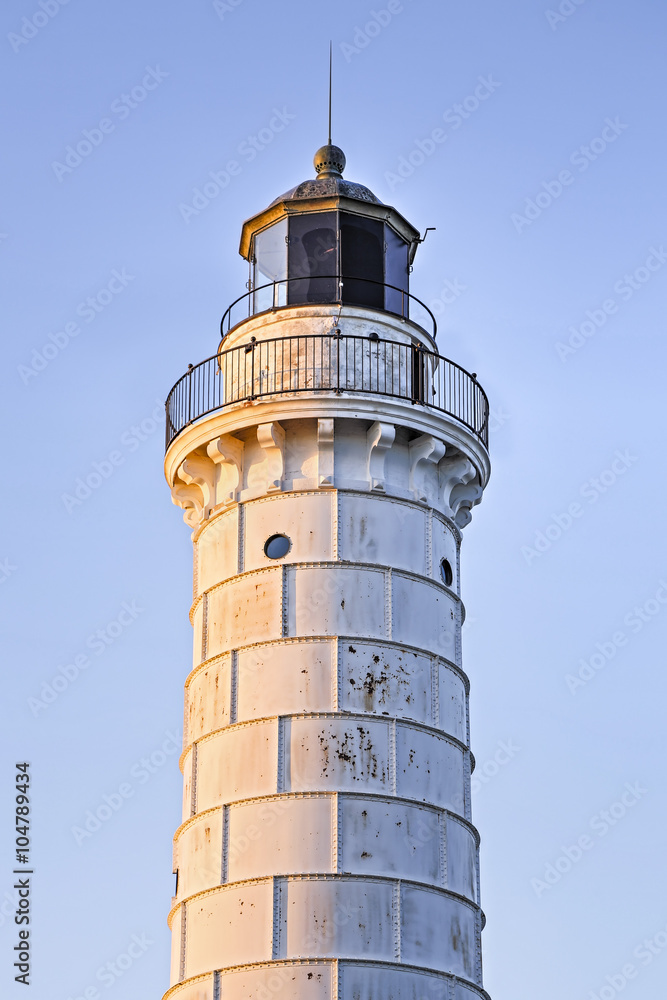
x=326, y=850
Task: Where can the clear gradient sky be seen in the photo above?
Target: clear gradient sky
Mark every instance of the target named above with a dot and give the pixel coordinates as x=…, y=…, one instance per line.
x=532, y=136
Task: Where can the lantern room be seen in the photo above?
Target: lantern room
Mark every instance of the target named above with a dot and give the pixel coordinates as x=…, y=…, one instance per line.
x=329, y=240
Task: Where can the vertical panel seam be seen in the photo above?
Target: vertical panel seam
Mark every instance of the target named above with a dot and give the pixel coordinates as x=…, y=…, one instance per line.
x=335, y=980
x=435, y=692
x=339, y=837
x=466, y=785
x=280, y=770
x=457, y=542
x=233, y=683
x=276, y=942
x=335, y=517
x=285, y=604
x=429, y=542
x=478, y=947
x=204, y=627
x=193, y=781
x=336, y=833
x=275, y=930
x=442, y=833
x=397, y=920
x=182, y=964
x=458, y=626
x=240, y=556
x=336, y=674
x=392, y=756
x=387, y=604
x=224, y=864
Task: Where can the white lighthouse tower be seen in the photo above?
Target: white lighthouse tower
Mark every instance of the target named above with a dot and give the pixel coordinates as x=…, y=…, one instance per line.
x=327, y=458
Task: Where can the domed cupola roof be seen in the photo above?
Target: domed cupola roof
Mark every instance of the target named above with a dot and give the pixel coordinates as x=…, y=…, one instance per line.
x=329, y=162
x=328, y=191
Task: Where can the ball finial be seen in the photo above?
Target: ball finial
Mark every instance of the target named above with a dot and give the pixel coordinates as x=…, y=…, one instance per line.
x=329, y=161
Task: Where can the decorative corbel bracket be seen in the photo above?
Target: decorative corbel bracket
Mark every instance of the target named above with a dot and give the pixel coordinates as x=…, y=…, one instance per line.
x=460, y=488
x=271, y=437
x=197, y=496
x=227, y=452
x=189, y=498
x=325, y=452
x=424, y=451
x=379, y=439
x=466, y=503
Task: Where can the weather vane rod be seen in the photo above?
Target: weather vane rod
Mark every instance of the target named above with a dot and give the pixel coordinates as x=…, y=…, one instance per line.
x=330, y=62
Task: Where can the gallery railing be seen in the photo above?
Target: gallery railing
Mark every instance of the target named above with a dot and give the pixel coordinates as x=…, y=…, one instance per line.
x=332, y=290
x=327, y=363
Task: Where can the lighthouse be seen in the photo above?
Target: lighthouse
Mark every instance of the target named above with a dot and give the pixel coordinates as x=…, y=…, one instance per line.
x=327, y=457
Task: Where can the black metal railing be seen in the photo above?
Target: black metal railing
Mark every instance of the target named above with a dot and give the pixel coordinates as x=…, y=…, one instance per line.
x=332, y=290
x=332, y=363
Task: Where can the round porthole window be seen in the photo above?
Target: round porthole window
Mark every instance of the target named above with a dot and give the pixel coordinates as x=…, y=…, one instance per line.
x=446, y=572
x=277, y=546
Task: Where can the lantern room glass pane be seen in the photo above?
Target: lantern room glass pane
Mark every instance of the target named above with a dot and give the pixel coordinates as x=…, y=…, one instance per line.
x=362, y=260
x=271, y=254
x=396, y=272
x=312, y=258
x=269, y=265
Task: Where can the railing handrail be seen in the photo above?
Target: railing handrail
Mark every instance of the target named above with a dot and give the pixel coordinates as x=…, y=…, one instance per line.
x=339, y=279
x=466, y=397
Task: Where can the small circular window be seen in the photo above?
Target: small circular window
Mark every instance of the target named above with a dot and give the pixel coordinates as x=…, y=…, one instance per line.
x=277, y=546
x=446, y=572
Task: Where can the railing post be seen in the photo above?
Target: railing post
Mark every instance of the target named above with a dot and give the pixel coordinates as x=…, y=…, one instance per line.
x=252, y=372
x=417, y=374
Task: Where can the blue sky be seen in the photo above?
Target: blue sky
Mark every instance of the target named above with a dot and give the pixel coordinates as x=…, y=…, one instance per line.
x=531, y=135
